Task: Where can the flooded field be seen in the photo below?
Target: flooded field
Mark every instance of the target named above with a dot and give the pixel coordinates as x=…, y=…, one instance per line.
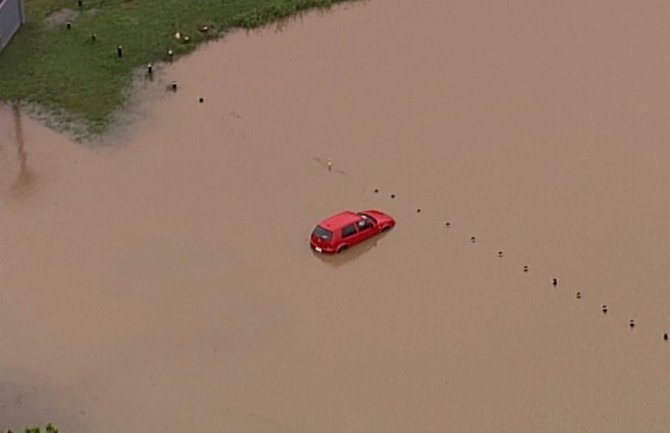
x=163, y=281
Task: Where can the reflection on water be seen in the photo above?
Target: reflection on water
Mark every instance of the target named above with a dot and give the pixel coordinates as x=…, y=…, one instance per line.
x=15, y=174
x=352, y=254
x=25, y=179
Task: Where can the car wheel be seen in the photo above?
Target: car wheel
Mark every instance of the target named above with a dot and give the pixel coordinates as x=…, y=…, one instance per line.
x=342, y=249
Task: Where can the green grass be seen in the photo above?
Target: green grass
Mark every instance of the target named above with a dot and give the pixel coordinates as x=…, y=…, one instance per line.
x=77, y=79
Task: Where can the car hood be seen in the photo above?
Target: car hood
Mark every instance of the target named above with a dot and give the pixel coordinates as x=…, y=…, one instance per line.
x=381, y=217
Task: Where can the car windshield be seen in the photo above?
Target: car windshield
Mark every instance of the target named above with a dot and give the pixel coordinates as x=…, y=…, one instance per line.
x=367, y=217
x=322, y=233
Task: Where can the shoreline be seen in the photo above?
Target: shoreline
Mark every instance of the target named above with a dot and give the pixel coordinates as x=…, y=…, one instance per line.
x=67, y=116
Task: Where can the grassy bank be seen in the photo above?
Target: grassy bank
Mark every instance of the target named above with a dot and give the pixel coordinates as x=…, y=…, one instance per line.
x=75, y=77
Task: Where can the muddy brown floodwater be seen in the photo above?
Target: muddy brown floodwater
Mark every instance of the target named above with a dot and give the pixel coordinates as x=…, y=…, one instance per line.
x=163, y=282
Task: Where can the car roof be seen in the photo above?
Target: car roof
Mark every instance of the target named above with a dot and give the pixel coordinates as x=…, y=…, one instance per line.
x=340, y=220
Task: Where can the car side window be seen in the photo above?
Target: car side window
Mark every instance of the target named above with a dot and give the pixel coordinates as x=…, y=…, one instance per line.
x=349, y=230
x=364, y=224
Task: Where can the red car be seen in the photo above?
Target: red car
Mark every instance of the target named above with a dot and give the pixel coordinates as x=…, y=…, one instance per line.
x=346, y=229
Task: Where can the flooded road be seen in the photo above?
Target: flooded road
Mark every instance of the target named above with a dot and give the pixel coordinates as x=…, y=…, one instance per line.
x=163, y=282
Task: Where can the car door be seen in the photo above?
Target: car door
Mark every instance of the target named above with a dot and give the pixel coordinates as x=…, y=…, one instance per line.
x=350, y=234
x=366, y=229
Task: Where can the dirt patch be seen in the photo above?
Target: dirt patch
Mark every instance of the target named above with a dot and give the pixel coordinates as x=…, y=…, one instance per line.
x=60, y=17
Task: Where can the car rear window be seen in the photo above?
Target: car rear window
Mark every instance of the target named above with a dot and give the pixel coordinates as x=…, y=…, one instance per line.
x=322, y=233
